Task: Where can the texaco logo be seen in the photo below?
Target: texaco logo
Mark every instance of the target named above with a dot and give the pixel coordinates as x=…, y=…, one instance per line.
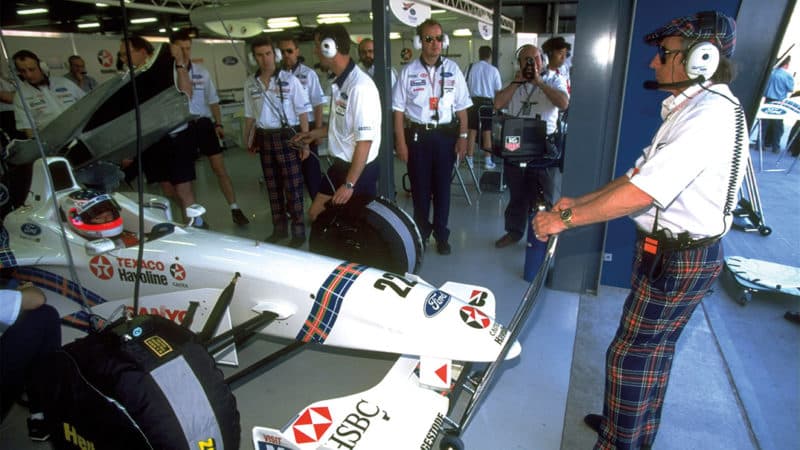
x=177, y=271
x=101, y=267
x=474, y=317
x=312, y=424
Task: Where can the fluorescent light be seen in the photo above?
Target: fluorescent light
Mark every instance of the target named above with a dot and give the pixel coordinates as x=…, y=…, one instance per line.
x=144, y=20
x=283, y=22
x=272, y=30
x=101, y=5
x=462, y=32
x=394, y=35
x=175, y=28
x=89, y=25
x=333, y=18
x=437, y=11
x=162, y=30
x=26, y=12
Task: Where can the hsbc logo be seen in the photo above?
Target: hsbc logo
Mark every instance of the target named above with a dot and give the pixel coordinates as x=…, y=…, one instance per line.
x=312, y=424
x=101, y=267
x=436, y=302
x=474, y=317
x=512, y=143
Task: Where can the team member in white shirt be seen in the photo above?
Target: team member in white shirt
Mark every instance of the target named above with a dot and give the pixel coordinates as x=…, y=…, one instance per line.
x=432, y=96
x=483, y=80
x=533, y=92
x=46, y=97
x=208, y=128
x=275, y=103
x=354, y=123
x=310, y=81
x=366, y=55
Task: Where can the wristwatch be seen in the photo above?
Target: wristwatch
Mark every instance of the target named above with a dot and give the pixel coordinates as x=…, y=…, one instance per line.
x=349, y=185
x=463, y=135
x=180, y=66
x=566, y=217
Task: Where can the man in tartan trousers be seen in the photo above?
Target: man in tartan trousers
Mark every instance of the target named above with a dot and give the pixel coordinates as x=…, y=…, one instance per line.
x=680, y=193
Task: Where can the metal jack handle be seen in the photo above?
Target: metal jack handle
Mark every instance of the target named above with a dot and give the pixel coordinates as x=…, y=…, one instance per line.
x=514, y=328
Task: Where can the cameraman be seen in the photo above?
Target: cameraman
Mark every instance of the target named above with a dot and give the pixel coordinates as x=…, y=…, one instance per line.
x=535, y=91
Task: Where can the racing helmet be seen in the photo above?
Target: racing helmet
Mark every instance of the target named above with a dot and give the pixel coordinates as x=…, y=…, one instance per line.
x=92, y=214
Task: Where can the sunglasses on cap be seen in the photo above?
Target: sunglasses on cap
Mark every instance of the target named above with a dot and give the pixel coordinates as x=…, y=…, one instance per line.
x=287, y=51
x=429, y=38
x=663, y=52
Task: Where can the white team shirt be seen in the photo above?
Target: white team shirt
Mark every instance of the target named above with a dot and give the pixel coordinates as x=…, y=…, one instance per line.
x=46, y=103
x=269, y=106
x=535, y=98
x=418, y=83
x=10, y=302
x=204, y=92
x=687, y=166
x=483, y=80
x=7, y=86
x=371, y=73
x=355, y=114
x=310, y=81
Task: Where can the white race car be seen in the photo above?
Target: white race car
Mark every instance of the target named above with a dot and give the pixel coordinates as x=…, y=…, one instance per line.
x=312, y=298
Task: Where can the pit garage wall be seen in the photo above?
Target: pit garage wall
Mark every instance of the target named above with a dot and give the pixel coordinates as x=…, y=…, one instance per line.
x=612, y=117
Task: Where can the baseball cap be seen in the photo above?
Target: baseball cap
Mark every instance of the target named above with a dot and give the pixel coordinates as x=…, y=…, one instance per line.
x=711, y=26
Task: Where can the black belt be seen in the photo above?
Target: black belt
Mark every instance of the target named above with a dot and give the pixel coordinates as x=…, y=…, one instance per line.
x=683, y=242
x=270, y=131
x=422, y=127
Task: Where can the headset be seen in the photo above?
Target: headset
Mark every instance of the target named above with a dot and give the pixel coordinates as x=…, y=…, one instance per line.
x=328, y=47
x=701, y=57
x=519, y=51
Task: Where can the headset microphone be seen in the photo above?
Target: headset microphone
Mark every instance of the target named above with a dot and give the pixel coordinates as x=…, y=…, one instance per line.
x=653, y=85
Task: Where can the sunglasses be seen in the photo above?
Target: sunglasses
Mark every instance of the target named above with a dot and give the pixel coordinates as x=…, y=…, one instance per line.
x=663, y=52
x=429, y=39
x=287, y=51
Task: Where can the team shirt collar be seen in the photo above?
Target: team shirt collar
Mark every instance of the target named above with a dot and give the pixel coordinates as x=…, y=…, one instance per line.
x=341, y=78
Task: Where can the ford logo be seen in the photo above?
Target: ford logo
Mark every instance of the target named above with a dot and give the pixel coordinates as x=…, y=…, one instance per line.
x=31, y=229
x=436, y=302
x=230, y=60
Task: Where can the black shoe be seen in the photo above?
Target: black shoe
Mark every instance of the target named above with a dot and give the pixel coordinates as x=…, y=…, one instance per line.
x=37, y=430
x=297, y=241
x=793, y=317
x=443, y=247
x=238, y=217
x=593, y=421
x=277, y=235
x=506, y=240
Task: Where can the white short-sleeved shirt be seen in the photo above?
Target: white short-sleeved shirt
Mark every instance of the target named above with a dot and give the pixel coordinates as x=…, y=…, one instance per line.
x=418, y=83
x=269, y=106
x=7, y=86
x=392, y=73
x=483, y=80
x=529, y=94
x=355, y=114
x=310, y=81
x=45, y=102
x=687, y=167
x=204, y=92
x=10, y=302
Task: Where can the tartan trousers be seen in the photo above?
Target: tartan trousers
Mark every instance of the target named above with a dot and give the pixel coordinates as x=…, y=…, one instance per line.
x=639, y=358
x=284, y=178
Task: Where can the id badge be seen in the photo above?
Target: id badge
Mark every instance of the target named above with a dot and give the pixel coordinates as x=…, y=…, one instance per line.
x=526, y=109
x=433, y=103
